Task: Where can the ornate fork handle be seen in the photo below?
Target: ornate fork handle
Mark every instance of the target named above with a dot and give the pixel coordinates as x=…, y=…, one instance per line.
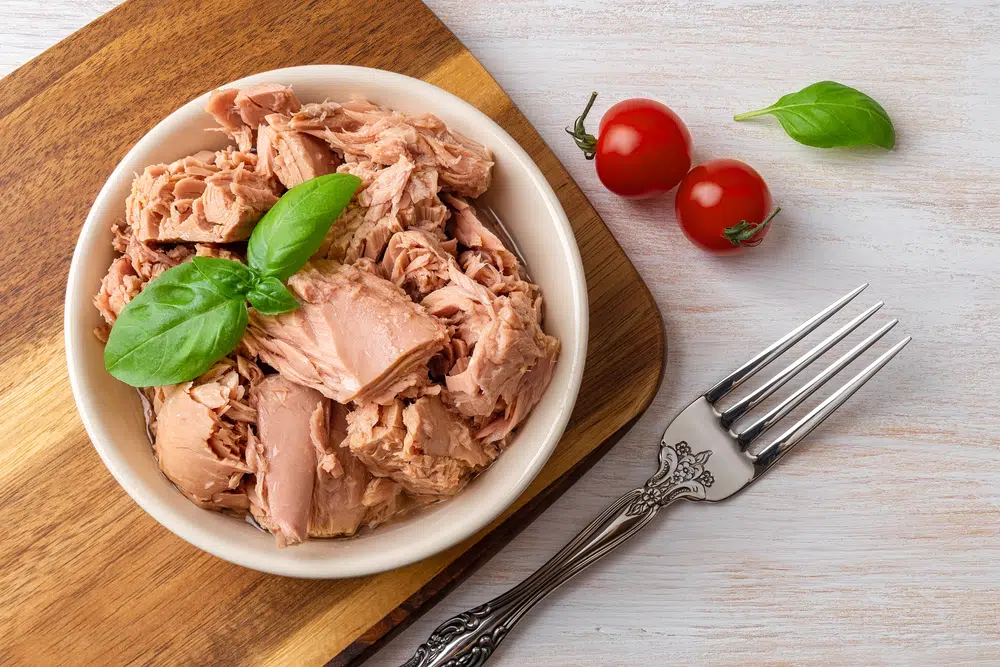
x=470, y=638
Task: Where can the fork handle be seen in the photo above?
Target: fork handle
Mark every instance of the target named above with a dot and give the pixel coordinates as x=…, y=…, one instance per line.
x=470, y=638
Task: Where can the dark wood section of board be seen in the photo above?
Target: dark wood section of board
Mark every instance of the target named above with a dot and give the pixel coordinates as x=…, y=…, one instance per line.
x=86, y=577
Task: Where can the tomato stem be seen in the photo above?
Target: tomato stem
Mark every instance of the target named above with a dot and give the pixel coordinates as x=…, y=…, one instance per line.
x=743, y=233
x=585, y=142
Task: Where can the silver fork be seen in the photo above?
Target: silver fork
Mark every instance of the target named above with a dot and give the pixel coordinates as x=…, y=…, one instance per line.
x=701, y=458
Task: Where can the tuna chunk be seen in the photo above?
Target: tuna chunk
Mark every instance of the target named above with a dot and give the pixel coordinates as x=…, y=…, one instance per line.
x=421, y=208
x=496, y=343
x=482, y=268
x=307, y=483
x=222, y=106
x=415, y=261
x=120, y=286
x=472, y=233
x=391, y=200
x=356, y=337
x=466, y=306
x=497, y=378
x=256, y=102
x=208, y=197
x=384, y=195
x=382, y=199
x=383, y=136
x=487, y=261
x=149, y=261
x=231, y=205
x=390, y=439
x=201, y=433
x=292, y=157
x=463, y=164
x=434, y=430
x=341, y=487
x=362, y=231
x=341, y=233
x=292, y=432
x=346, y=496
x=530, y=390
x=384, y=498
x=379, y=135
x=366, y=170
x=240, y=113
x=317, y=118
x=372, y=237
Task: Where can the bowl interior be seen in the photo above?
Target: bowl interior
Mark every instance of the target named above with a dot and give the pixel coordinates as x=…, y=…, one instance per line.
x=112, y=413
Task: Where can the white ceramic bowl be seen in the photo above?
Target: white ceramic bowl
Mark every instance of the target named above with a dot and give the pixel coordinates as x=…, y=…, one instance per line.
x=112, y=414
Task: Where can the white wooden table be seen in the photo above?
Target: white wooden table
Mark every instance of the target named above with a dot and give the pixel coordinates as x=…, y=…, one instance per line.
x=878, y=541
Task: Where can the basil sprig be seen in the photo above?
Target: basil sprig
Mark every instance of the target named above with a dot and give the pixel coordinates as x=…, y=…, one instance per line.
x=232, y=279
x=194, y=314
x=174, y=330
x=270, y=297
x=829, y=114
x=288, y=235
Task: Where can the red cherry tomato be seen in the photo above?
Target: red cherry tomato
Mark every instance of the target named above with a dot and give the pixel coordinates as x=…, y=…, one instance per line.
x=724, y=206
x=643, y=149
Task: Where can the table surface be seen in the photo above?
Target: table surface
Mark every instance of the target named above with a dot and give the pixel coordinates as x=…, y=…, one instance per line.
x=878, y=541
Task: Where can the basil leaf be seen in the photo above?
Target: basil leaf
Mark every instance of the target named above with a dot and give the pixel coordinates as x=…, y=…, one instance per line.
x=231, y=278
x=289, y=233
x=174, y=330
x=829, y=114
x=271, y=297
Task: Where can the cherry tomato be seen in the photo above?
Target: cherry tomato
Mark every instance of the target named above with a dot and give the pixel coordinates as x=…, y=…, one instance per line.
x=724, y=206
x=643, y=149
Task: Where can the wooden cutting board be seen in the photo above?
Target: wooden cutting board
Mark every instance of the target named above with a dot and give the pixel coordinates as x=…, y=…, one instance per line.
x=86, y=577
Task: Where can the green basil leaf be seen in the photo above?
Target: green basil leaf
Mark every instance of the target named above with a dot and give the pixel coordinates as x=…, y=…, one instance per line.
x=289, y=233
x=271, y=297
x=177, y=327
x=829, y=114
x=232, y=279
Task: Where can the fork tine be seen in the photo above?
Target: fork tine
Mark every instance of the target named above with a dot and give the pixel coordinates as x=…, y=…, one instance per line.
x=754, y=399
x=737, y=377
x=754, y=431
x=805, y=426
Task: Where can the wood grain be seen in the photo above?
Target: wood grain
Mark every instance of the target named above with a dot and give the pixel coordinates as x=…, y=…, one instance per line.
x=879, y=542
x=87, y=578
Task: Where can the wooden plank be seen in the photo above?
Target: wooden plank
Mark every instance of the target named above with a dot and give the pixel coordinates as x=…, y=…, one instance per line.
x=85, y=572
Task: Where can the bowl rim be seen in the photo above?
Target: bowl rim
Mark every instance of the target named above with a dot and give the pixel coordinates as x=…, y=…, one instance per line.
x=336, y=566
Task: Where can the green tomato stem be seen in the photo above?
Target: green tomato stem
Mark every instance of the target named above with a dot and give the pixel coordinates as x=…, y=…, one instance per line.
x=585, y=142
x=743, y=233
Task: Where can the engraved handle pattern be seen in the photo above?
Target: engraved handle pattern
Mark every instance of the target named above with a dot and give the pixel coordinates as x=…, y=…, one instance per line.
x=470, y=638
